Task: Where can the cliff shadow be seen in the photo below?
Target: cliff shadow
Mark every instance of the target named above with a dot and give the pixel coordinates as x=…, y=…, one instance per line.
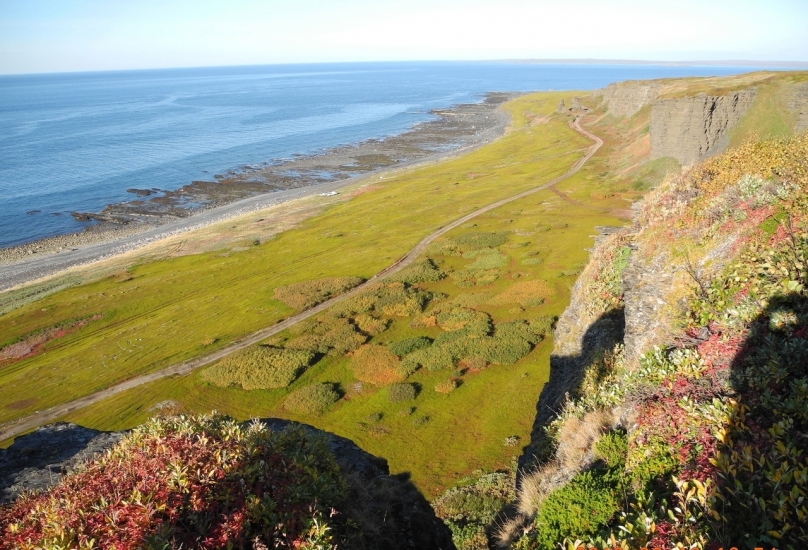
x=567, y=374
x=762, y=464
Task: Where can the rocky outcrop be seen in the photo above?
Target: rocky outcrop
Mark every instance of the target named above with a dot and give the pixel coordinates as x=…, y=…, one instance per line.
x=38, y=460
x=388, y=509
x=627, y=98
x=692, y=128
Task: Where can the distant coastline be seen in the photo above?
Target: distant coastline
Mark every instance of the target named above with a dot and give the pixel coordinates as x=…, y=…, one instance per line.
x=705, y=63
x=456, y=131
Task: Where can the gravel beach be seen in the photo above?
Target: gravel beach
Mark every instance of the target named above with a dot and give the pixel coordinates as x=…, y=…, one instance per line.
x=156, y=214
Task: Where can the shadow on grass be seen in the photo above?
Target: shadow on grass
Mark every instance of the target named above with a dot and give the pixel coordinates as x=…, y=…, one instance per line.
x=566, y=375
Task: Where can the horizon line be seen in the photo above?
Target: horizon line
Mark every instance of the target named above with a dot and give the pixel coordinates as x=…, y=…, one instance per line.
x=742, y=63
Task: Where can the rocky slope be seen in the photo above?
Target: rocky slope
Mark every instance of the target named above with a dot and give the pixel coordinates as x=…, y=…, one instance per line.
x=689, y=124
x=678, y=364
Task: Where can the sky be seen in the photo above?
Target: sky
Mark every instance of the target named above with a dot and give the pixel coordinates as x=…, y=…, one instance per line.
x=84, y=35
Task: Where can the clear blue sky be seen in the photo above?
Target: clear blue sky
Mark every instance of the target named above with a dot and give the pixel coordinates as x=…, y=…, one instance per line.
x=79, y=35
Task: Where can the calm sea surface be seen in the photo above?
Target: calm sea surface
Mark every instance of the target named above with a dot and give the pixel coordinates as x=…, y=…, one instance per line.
x=76, y=142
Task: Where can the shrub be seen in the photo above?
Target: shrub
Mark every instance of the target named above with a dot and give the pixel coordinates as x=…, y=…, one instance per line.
x=447, y=386
x=375, y=364
x=393, y=299
x=371, y=325
x=543, y=325
x=487, y=259
x=473, y=505
x=467, y=278
x=313, y=399
x=332, y=336
x=524, y=293
x=307, y=294
x=477, y=239
x=397, y=393
x=578, y=510
x=476, y=322
x=612, y=448
x=531, y=261
x=409, y=345
x=433, y=358
x=420, y=272
x=259, y=367
x=179, y=482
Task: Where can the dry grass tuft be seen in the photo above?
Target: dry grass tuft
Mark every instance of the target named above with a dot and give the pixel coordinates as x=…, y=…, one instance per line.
x=577, y=436
x=375, y=364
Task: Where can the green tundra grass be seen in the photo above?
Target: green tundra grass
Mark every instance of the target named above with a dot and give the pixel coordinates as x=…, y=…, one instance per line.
x=160, y=312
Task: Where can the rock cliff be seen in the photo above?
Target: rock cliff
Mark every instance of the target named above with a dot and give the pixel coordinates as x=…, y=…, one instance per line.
x=627, y=98
x=690, y=129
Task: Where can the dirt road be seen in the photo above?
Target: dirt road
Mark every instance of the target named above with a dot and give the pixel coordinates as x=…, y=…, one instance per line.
x=10, y=429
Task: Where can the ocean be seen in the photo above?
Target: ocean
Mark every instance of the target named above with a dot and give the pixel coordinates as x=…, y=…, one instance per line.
x=78, y=141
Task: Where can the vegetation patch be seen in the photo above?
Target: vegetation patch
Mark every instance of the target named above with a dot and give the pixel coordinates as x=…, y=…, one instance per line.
x=306, y=294
x=259, y=368
x=400, y=392
x=199, y=482
x=470, y=508
x=375, y=364
x=424, y=271
x=329, y=335
x=409, y=345
x=524, y=293
x=313, y=399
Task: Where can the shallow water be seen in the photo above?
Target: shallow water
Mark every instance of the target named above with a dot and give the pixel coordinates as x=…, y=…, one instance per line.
x=77, y=142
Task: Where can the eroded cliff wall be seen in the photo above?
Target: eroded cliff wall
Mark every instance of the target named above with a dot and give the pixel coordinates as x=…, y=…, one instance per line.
x=627, y=98
x=690, y=129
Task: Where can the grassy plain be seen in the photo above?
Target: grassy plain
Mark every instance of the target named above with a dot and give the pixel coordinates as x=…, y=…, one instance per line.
x=168, y=309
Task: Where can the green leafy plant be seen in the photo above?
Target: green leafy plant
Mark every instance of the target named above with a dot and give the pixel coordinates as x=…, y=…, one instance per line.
x=259, y=367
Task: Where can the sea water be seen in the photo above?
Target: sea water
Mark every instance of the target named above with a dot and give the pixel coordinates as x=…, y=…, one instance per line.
x=78, y=141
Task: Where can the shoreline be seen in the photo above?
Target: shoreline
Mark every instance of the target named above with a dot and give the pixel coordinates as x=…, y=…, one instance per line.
x=465, y=127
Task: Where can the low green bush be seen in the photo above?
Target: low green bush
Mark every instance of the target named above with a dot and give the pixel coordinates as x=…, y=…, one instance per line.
x=467, y=278
x=420, y=272
x=409, y=345
x=313, y=399
x=578, y=510
x=332, y=336
x=473, y=321
x=612, y=448
x=531, y=261
x=488, y=259
x=433, y=358
x=400, y=392
x=370, y=325
x=259, y=367
x=473, y=505
x=477, y=239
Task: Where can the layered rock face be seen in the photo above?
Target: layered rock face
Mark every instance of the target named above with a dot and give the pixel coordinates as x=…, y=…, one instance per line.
x=627, y=98
x=691, y=129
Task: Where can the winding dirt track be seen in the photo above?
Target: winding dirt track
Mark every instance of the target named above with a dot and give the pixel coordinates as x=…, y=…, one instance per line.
x=15, y=427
